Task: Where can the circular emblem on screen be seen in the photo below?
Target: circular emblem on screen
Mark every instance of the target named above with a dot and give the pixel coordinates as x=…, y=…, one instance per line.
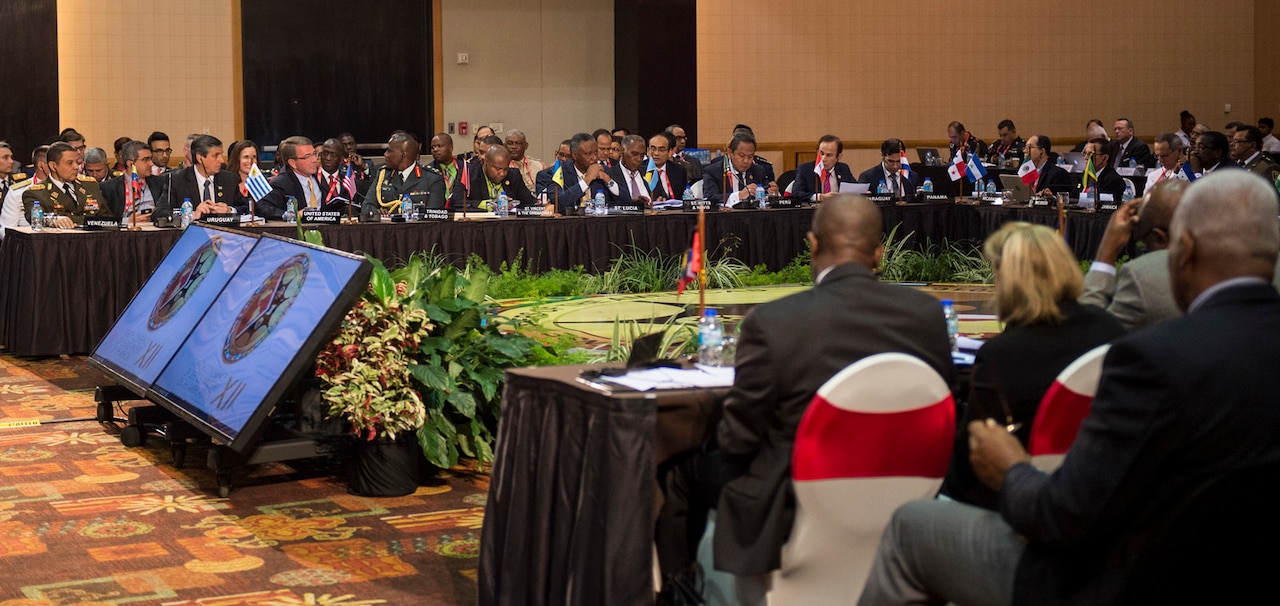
x=264, y=310
x=184, y=283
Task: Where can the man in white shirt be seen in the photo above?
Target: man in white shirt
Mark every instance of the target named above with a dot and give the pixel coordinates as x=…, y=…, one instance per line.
x=1168, y=152
x=1270, y=143
x=12, y=214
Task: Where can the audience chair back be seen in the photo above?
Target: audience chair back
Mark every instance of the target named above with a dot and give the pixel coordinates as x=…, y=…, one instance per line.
x=697, y=189
x=876, y=435
x=1063, y=408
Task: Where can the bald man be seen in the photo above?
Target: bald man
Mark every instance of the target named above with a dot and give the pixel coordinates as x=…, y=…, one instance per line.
x=490, y=177
x=1179, y=406
x=787, y=350
x=401, y=175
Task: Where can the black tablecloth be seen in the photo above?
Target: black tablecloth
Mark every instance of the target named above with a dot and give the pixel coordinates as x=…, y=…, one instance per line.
x=62, y=291
x=570, y=514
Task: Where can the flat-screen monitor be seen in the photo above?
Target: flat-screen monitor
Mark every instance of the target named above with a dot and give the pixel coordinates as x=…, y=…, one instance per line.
x=264, y=327
x=173, y=299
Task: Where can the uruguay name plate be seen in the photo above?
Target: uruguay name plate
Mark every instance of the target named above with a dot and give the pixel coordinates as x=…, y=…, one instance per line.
x=223, y=219
x=323, y=217
x=100, y=224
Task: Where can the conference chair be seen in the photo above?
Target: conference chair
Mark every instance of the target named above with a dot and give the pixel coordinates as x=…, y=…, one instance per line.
x=1062, y=409
x=697, y=189
x=876, y=435
x=786, y=180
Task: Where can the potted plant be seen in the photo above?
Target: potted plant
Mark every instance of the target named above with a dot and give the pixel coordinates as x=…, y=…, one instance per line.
x=367, y=381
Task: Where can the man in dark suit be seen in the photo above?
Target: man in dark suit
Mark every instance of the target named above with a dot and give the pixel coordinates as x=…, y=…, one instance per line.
x=584, y=177
x=1179, y=405
x=1211, y=153
x=812, y=187
x=732, y=180
x=335, y=192
x=692, y=166
x=889, y=172
x=401, y=174
x=1038, y=148
x=1108, y=181
x=786, y=353
x=671, y=180
x=629, y=171
x=296, y=180
x=134, y=154
x=210, y=189
x=488, y=179
x=1126, y=147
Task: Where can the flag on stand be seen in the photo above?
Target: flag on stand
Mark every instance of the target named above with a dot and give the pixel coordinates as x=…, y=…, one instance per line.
x=132, y=191
x=1186, y=170
x=976, y=170
x=465, y=177
x=257, y=184
x=904, y=166
x=692, y=265
x=349, y=180
x=651, y=175
x=957, y=168
x=1028, y=173
x=819, y=170
x=1090, y=174
x=557, y=174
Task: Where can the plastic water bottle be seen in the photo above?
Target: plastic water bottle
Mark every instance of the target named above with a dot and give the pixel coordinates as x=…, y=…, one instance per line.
x=953, y=322
x=928, y=186
x=406, y=206
x=290, y=209
x=1128, y=194
x=710, y=339
x=599, y=207
x=882, y=188
x=1133, y=163
x=991, y=186
x=762, y=197
x=503, y=206
x=1062, y=161
x=688, y=192
x=186, y=212
x=37, y=216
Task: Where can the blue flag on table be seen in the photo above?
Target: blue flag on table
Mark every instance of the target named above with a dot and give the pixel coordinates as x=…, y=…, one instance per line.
x=975, y=170
x=651, y=175
x=1186, y=170
x=257, y=184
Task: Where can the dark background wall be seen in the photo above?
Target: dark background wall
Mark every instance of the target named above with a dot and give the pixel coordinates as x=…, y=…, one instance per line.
x=365, y=68
x=655, y=65
x=29, y=75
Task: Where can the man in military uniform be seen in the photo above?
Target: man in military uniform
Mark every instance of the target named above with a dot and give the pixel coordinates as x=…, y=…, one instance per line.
x=1246, y=150
x=1007, y=152
x=95, y=164
x=7, y=178
x=402, y=174
x=11, y=213
x=68, y=196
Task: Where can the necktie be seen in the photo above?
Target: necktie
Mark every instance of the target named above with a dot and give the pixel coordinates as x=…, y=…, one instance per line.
x=70, y=192
x=635, y=187
x=208, y=196
x=666, y=185
x=313, y=196
x=826, y=181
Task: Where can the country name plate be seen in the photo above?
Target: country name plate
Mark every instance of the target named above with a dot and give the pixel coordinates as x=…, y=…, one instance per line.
x=881, y=198
x=931, y=197
x=321, y=217
x=697, y=205
x=100, y=224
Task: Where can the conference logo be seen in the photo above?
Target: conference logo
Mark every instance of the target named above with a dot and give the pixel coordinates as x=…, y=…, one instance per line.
x=265, y=309
x=184, y=283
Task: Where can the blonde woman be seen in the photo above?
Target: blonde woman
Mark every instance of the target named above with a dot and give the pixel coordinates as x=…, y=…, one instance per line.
x=1037, y=282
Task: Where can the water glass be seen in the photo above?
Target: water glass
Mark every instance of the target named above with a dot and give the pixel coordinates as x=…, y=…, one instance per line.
x=728, y=350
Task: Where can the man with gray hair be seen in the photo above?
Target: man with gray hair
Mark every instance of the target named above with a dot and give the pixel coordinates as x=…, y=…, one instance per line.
x=1169, y=158
x=1180, y=407
x=95, y=164
x=517, y=144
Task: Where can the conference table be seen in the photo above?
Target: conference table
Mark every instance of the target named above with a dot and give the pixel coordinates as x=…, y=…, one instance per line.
x=63, y=289
x=573, y=493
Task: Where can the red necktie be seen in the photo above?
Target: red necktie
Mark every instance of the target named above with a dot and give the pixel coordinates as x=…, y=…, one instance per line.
x=826, y=181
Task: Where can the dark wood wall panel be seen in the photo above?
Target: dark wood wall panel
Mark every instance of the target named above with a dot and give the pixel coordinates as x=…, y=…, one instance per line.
x=29, y=75
x=656, y=65
x=327, y=66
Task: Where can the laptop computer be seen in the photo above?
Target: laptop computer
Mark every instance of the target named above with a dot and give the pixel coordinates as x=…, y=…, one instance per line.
x=1021, y=191
x=929, y=156
x=1075, y=160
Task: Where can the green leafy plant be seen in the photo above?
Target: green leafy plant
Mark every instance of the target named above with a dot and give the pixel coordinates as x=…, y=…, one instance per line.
x=677, y=340
x=366, y=368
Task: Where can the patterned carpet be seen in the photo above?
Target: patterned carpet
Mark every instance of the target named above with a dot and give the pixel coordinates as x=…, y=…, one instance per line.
x=84, y=520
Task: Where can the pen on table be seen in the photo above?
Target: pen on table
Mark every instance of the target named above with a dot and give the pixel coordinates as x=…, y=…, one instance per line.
x=598, y=386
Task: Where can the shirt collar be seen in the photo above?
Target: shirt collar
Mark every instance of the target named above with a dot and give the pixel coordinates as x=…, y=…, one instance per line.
x=1221, y=286
x=404, y=174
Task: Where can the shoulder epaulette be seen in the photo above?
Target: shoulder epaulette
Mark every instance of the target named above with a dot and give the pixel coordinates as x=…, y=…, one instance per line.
x=37, y=187
x=760, y=160
x=85, y=178
x=117, y=173
x=432, y=169
x=19, y=177
x=23, y=183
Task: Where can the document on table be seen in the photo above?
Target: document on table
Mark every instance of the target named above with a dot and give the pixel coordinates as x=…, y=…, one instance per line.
x=855, y=188
x=705, y=377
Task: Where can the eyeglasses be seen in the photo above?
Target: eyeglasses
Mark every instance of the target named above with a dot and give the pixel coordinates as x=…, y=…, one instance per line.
x=1239, y=141
x=657, y=149
x=308, y=156
x=1032, y=147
